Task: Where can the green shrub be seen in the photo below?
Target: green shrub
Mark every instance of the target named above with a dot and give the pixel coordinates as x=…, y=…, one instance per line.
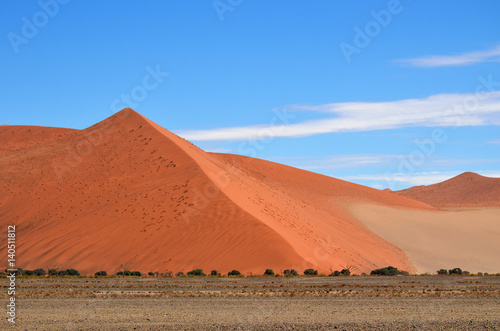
x=39, y=272
x=179, y=274
x=68, y=272
x=387, y=271
x=335, y=273
x=214, y=273
x=52, y=272
x=196, y=272
x=234, y=273
x=310, y=272
x=442, y=272
x=124, y=273
x=151, y=274
x=27, y=272
x=136, y=273
x=345, y=272
x=455, y=271
x=73, y=272
x=291, y=272
x=101, y=273
x=269, y=272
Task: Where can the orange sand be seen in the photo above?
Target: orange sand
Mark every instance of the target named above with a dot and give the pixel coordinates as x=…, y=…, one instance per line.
x=468, y=189
x=127, y=191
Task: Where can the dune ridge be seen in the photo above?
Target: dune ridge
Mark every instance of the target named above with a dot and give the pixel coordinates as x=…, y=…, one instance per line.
x=126, y=191
x=465, y=190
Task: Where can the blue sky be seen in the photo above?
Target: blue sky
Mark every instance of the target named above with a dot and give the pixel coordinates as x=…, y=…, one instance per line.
x=381, y=93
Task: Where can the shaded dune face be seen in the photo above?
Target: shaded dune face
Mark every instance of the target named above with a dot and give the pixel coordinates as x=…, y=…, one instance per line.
x=129, y=192
x=466, y=190
x=120, y=192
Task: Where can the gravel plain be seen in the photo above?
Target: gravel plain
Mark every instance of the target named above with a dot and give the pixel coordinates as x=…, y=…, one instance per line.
x=257, y=303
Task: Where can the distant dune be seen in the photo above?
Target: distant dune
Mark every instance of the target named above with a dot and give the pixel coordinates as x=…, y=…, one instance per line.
x=129, y=192
x=466, y=190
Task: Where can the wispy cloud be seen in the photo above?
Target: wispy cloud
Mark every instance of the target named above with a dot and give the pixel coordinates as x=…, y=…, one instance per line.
x=443, y=110
x=494, y=142
x=364, y=162
x=463, y=59
x=218, y=150
x=336, y=161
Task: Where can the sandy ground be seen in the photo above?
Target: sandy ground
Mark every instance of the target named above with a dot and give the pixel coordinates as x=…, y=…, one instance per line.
x=318, y=303
x=468, y=239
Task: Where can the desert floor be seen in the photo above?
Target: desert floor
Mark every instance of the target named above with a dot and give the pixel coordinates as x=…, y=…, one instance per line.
x=258, y=303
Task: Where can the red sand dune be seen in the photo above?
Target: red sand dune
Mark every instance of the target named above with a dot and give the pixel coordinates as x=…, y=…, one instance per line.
x=127, y=191
x=12, y=136
x=466, y=190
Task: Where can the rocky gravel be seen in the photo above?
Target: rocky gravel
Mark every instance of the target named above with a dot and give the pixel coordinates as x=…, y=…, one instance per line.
x=259, y=303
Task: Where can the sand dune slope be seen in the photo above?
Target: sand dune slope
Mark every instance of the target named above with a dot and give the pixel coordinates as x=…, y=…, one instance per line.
x=117, y=193
x=466, y=190
x=468, y=239
x=304, y=208
x=129, y=192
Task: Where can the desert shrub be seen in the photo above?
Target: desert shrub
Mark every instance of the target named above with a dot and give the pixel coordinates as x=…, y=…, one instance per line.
x=39, y=272
x=345, y=272
x=479, y=273
x=136, y=273
x=310, y=272
x=335, y=273
x=18, y=272
x=291, y=272
x=68, y=272
x=101, y=273
x=467, y=273
x=234, y=273
x=442, y=272
x=124, y=273
x=196, y=272
x=214, y=273
x=455, y=271
x=269, y=272
x=26, y=272
x=52, y=272
x=179, y=274
x=387, y=271
x=151, y=274
x=72, y=272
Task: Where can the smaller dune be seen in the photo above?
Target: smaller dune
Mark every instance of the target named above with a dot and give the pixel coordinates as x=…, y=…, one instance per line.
x=466, y=190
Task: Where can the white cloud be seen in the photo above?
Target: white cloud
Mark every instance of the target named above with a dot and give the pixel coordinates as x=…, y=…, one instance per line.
x=453, y=60
x=217, y=150
x=315, y=163
x=494, y=142
x=441, y=110
x=336, y=161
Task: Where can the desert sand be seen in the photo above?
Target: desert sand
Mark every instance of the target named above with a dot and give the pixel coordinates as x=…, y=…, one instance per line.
x=465, y=190
x=129, y=192
x=467, y=238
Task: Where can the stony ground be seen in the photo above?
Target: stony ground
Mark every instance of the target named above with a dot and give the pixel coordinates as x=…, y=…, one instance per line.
x=301, y=303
